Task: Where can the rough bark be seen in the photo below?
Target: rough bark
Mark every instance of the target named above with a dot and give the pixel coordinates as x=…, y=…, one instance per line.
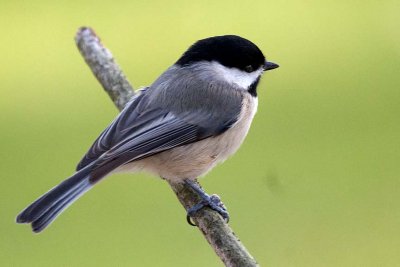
x=217, y=232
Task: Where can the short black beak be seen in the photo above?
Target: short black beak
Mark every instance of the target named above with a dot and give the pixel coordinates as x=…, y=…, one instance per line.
x=270, y=66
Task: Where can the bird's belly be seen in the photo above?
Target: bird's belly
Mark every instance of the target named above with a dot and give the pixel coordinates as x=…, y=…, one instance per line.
x=196, y=159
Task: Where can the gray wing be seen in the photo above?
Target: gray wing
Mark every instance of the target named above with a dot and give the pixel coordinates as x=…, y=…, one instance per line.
x=117, y=130
x=161, y=133
x=142, y=130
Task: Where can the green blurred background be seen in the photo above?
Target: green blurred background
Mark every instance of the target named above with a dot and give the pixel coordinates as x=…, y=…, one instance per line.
x=316, y=182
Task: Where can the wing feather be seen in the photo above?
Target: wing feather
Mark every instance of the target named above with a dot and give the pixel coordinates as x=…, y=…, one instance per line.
x=163, y=134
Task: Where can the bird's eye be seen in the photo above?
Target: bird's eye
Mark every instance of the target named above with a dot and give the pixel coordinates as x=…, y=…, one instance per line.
x=248, y=68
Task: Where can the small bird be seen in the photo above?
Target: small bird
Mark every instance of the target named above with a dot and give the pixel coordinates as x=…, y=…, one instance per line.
x=194, y=116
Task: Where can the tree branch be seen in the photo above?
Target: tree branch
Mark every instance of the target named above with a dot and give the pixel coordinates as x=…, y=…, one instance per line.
x=215, y=230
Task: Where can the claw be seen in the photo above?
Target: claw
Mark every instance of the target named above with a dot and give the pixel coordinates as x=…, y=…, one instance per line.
x=213, y=201
x=188, y=219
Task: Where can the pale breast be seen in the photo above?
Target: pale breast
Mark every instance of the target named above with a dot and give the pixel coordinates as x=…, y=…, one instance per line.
x=196, y=159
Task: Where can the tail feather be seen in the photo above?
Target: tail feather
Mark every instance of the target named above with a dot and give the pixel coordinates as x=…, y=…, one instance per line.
x=46, y=208
x=51, y=214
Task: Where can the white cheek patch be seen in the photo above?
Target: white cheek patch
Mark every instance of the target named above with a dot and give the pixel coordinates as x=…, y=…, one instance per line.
x=241, y=78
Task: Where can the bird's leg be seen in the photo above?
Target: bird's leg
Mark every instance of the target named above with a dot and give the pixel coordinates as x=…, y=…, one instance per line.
x=213, y=201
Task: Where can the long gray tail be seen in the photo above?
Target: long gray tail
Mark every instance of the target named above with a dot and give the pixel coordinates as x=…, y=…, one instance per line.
x=46, y=208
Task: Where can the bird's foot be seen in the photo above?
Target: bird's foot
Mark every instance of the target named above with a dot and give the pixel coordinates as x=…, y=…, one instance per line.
x=213, y=201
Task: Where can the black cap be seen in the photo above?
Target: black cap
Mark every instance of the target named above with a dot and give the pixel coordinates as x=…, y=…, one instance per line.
x=229, y=50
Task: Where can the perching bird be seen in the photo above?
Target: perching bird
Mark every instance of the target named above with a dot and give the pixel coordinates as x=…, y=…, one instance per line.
x=195, y=115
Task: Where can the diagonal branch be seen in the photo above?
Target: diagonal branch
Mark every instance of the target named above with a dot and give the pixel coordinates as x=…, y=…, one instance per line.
x=220, y=236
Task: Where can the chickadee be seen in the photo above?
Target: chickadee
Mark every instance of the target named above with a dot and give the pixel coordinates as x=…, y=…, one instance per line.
x=195, y=115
